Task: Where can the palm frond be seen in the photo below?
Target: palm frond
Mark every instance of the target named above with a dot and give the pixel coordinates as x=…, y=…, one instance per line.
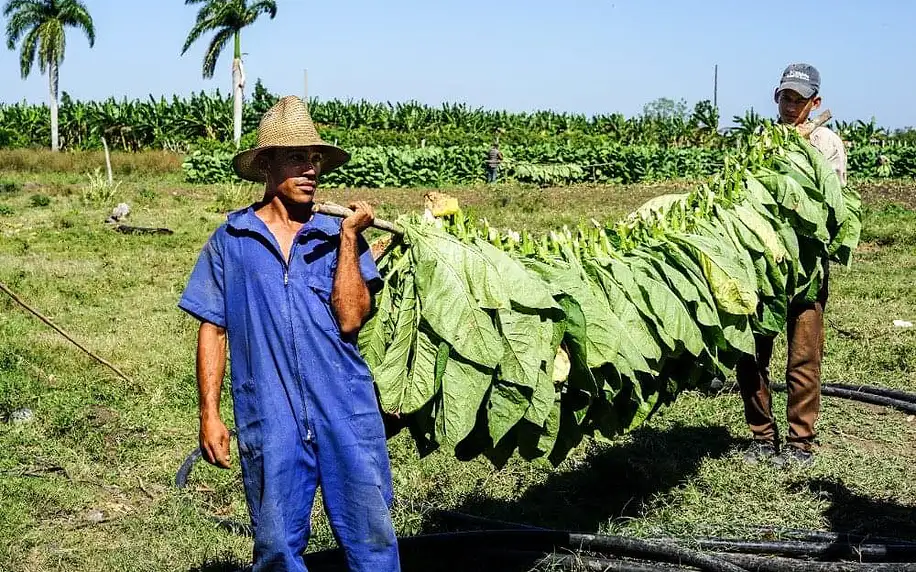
x=197, y=31
x=20, y=21
x=74, y=13
x=268, y=7
x=14, y=6
x=52, y=44
x=27, y=52
x=217, y=45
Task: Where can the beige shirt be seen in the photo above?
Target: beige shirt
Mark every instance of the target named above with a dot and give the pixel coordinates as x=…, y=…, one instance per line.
x=832, y=147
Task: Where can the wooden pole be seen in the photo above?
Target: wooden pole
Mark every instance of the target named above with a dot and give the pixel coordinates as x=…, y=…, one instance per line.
x=40, y=316
x=806, y=129
x=107, y=162
x=336, y=210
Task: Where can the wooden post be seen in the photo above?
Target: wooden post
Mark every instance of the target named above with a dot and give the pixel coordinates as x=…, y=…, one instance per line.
x=107, y=162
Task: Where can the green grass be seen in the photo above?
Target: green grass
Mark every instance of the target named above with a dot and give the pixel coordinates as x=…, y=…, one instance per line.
x=99, y=443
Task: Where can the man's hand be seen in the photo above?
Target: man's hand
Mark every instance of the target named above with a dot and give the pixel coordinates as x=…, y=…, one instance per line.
x=214, y=442
x=362, y=218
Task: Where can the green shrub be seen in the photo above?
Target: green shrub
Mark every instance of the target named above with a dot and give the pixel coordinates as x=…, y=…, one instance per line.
x=40, y=200
x=6, y=210
x=9, y=187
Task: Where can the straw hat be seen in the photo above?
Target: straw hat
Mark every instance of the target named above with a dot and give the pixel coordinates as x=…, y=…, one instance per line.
x=287, y=124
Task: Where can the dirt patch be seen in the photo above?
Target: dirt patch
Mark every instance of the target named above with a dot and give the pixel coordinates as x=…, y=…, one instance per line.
x=901, y=193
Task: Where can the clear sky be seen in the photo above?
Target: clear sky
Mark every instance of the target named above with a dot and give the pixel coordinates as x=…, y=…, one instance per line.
x=579, y=56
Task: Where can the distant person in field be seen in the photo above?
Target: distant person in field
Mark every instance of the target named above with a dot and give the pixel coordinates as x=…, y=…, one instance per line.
x=290, y=291
x=494, y=160
x=797, y=96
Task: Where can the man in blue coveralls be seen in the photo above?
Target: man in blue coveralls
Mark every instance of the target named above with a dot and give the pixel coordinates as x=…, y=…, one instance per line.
x=290, y=290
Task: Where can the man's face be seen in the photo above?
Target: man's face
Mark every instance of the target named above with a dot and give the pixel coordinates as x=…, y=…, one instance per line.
x=294, y=173
x=795, y=109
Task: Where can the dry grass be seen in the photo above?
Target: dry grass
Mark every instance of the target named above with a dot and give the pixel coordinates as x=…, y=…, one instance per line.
x=80, y=162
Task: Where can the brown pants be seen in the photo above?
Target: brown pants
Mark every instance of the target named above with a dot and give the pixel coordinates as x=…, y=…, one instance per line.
x=805, y=334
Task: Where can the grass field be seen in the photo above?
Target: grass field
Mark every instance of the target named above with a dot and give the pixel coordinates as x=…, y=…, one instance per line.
x=88, y=483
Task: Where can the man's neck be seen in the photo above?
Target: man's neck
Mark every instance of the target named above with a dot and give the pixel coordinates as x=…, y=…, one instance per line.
x=273, y=209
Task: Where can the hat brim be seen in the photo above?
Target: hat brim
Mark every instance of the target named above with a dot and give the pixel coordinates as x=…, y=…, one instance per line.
x=803, y=89
x=245, y=164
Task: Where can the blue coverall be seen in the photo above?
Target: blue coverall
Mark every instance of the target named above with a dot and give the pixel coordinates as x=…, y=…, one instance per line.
x=305, y=406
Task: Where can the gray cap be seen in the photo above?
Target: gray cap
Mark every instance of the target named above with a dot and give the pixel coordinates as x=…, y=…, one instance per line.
x=801, y=78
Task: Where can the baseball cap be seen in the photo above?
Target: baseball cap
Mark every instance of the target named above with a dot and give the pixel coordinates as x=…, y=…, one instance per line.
x=802, y=78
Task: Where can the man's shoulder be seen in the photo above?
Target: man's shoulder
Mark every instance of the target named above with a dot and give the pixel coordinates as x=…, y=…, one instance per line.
x=824, y=133
x=825, y=139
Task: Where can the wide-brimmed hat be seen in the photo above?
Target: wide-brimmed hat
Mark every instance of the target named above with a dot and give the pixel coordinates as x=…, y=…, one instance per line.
x=287, y=125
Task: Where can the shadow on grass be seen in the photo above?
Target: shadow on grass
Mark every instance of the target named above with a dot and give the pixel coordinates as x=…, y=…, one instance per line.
x=613, y=482
x=859, y=514
x=219, y=565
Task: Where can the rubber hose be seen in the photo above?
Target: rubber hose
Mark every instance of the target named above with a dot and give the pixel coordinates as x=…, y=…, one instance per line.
x=866, y=552
x=777, y=564
x=825, y=536
x=544, y=541
x=884, y=391
x=819, y=543
x=874, y=399
x=638, y=547
x=590, y=563
x=797, y=533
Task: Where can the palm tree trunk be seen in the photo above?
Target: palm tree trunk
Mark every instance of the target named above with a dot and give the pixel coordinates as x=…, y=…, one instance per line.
x=52, y=75
x=238, y=84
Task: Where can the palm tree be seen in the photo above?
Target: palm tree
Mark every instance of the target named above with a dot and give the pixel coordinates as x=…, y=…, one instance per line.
x=40, y=25
x=227, y=18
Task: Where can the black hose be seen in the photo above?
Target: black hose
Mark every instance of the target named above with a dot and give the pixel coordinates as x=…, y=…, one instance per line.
x=884, y=391
x=820, y=536
x=657, y=550
x=833, y=550
x=775, y=564
x=861, y=396
x=589, y=563
x=545, y=542
x=825, y=536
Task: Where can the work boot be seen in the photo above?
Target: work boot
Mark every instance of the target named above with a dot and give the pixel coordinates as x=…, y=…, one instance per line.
x=794, y=457
x=759, y=451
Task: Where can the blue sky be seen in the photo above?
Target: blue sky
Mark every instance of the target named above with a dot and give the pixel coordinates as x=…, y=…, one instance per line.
x=579, y=56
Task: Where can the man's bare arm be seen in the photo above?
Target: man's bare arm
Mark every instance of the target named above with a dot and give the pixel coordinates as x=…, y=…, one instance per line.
x=350, y=296
x=211, y=367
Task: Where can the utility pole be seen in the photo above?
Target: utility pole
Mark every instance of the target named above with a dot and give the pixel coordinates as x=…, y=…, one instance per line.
x=715, y=87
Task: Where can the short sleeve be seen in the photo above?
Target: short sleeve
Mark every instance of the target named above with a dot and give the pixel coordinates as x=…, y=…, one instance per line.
x=368, y=268
x=205, y=295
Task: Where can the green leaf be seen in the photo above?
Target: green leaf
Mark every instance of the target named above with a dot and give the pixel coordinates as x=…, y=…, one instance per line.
x=420, y=385
x=524, y=287
x=391, y=375
x=602, y=327
x=684, y=283
x=542, y=400
x=764, y=231
x=738, y=333
x=464, y=386
x=526, y=341
x=732, y=287
x=506, y=407
x=374, y=335
x=670, y=313
x=443, y=283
